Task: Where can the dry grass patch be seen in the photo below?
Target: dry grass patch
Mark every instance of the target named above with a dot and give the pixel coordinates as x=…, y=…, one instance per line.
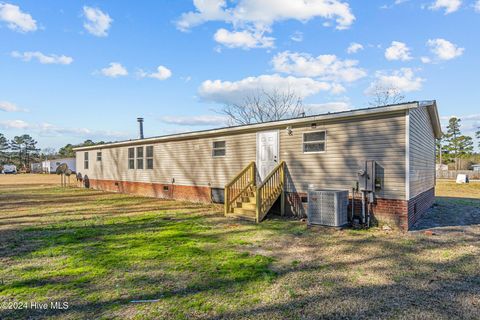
x=19, y=180
x=99, y=251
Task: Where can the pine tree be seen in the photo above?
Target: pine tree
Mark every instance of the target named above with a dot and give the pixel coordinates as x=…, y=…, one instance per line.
x=16, y=145
x=4, y=147
x=477, y=134
x=465, y=144
x=30, y=147
x=458, y=145
x=67, y=151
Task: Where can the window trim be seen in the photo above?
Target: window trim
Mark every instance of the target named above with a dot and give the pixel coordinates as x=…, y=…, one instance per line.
x=86, y=160
x=313, y=142
x=142, y=158
x=130, y=159
x=149, y=158
x=99, y=158
x=224, y=149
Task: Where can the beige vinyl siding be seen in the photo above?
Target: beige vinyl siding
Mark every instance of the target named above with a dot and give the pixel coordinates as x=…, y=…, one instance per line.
x=188, y=162
x=349, y=144
x=422, y=152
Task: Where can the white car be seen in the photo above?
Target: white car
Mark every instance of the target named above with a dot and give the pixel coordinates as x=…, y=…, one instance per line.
x=9, y=169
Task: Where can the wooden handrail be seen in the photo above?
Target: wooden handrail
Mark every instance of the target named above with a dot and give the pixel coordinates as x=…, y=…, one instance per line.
x=269, y=190
x=241, y=183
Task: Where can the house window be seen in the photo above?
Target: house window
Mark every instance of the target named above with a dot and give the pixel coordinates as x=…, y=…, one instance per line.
x=314, y=142
x=139, y=157
x=99, y=156
x=131, y=158
x=149, y=157
x=85, y=160
x=219, y=149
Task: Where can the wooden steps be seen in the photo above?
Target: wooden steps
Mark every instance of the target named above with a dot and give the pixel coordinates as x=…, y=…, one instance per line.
x=246, y=200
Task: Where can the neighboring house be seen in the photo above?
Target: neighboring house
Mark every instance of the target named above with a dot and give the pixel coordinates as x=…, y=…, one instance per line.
x=326, y=150
x=476, y=167
x=36, y=167
x=50, y=166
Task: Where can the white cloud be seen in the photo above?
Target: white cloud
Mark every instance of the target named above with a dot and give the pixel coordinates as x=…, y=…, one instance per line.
x=9, y=107
x=444, y=49
x=162, y=73
x=97, y=22
x=243, y=39
x=319, y=108
x=448, y=5
x=395, y=3
x=13, y=124
x=297, y=36
x=257, y=17
x=404, y=80
x=264, y=13
x=202, y=120
x=42, y=58
x=236, y=91
x=354, y=47
x=325, y=67
x=48, y=129
x=476, y=6
x=114, y=70
x=426, y=60
x=398, y=51
x=16, y=19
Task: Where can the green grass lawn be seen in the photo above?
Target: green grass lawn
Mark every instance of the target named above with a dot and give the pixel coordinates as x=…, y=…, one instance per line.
x=100, y=252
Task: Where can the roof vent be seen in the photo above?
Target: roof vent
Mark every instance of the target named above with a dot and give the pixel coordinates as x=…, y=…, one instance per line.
x=140, y=128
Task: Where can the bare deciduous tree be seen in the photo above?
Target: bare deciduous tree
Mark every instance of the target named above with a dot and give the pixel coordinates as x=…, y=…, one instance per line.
x=264, y=106
x=382, y=96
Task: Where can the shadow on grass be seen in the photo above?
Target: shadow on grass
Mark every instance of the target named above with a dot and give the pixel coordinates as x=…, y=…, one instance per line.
x=186, y=260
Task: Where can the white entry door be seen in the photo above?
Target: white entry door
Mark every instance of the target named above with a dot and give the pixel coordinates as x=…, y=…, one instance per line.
x=267, y=152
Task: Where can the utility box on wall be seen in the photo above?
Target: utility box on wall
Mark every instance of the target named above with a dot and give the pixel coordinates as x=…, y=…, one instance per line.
x=366, y=177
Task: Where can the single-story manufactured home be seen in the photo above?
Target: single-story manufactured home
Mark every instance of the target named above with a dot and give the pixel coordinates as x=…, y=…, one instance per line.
x=278, y=161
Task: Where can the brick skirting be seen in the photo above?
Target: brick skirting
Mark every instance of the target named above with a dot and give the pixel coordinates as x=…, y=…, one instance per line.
x=401, y=214
x=165, y=191
x=418, y=205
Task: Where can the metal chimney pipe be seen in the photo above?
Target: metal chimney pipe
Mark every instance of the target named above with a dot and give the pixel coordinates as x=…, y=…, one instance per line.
x=140, y=128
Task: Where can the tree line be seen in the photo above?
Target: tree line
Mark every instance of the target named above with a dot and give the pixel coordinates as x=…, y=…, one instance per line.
x=454, y=146
x=22, y=150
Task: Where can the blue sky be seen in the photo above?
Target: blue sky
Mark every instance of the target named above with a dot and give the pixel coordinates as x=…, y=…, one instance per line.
x=72, y=70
